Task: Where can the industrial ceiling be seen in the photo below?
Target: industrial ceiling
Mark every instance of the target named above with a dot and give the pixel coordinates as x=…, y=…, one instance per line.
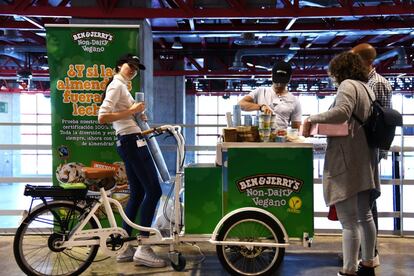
x=221, y=44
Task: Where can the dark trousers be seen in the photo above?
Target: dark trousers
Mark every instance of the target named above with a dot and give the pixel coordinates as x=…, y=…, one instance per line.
x=145, y=189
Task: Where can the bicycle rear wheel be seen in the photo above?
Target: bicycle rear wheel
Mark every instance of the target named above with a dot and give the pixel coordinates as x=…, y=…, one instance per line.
x=36, y=241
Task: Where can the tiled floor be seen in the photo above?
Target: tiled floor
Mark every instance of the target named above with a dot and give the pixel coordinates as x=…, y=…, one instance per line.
x=397, y=259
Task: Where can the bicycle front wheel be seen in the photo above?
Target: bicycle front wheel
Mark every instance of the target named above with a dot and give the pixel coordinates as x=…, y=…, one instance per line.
x=250, y=226
x=36, y=243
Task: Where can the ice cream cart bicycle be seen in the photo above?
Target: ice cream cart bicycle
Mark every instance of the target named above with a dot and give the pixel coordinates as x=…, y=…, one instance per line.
x=62, y=235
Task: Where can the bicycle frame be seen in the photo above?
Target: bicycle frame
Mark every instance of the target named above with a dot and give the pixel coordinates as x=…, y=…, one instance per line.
x=264, y=231
x=80, y=237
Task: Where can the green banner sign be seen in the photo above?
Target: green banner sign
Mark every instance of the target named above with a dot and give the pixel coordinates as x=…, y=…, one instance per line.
x=81, y=62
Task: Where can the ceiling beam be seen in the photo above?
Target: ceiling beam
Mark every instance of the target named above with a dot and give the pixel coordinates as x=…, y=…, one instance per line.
x=282, y=42
x=184, y=11
x=235, y=4
x=389, y=26
x=191, y=24
x=38, y=39
x=34, y=22
x=183, y=6
x=290, y=24
x=9, y=24
x=346, y=3
x=21, y=4
x=297, y=74
x=364, y=39
x=195, y=63
x=203, y=42
x=391, y=40
x=336, y=41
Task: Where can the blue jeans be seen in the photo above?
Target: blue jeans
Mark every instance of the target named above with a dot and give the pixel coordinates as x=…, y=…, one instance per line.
x=145, y=189
x=358, y=228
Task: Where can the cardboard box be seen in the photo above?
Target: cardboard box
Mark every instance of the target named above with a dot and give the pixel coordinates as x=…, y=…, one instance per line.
x=330, y=130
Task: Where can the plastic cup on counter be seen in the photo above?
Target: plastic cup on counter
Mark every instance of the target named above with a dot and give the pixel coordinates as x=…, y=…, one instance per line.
x=264, y=121
x=280, y=139
x=281, y=134
x=292, y=134
x=229, y=119
x=255, y=121
x=264, y=134
x=236, y=115
x=273, y=123
x=248, y=120
x=273, y=134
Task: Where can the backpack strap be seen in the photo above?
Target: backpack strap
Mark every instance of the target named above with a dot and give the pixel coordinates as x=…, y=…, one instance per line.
x=355, y=116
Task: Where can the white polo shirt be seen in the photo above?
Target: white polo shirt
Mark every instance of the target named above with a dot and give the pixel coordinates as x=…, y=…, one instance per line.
x=286, y=108
x=118, y=98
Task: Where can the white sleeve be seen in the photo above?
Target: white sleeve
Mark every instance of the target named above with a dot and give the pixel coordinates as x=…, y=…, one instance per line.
x=254, y=94
x=296, y=115
x=111, y=98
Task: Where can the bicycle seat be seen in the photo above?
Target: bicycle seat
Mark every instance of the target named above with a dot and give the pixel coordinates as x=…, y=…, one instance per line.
x=97, y=173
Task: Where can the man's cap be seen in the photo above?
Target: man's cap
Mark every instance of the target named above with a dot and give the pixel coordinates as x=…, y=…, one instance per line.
x=132, y=61
x=281, y=72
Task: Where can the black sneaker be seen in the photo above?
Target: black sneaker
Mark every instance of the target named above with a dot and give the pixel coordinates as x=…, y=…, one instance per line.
x=365, y=270
x=340, y=273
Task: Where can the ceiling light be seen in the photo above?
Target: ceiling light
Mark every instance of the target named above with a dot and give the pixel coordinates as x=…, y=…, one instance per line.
x=177, y=43
x=258, y=66
x=294, y=45
x=247, y=39
x=401, y=63
x=238, y=66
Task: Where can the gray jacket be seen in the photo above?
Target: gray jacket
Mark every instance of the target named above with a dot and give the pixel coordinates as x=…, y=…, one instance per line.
x=350, y=164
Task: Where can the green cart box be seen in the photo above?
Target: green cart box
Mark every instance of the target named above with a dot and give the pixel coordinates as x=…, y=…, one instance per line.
x=277, y=177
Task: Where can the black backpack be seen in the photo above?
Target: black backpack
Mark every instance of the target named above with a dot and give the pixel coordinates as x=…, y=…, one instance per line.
x=380, y=125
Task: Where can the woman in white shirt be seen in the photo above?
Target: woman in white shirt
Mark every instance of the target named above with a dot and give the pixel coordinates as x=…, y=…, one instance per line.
x=118, y=107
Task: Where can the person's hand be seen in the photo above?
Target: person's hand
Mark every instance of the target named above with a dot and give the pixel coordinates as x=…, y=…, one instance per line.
x=266, y=110
x=144, y=117
x=306, y=127
x=137, y=107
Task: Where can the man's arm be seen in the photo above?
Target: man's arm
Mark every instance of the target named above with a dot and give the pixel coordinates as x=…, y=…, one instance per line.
x=247, y=104
x=383, y=94
x=296, y=116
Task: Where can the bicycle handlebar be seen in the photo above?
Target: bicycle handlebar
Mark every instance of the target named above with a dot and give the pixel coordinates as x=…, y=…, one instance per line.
x=153, y=130
x=159, y=129
x=149, y=131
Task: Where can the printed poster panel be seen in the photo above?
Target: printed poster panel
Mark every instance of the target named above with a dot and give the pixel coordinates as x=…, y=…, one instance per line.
x=81, y=62
x=279, y=180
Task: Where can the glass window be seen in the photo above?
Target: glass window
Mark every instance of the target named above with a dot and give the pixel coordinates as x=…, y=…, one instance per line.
x=211, y=110
x=35, y=108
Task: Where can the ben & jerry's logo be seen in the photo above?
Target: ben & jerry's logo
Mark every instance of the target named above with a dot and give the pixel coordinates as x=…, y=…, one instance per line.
x=269, y=180
x=92, y=41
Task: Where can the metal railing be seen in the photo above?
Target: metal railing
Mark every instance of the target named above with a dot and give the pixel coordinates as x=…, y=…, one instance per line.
x=399, y=182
